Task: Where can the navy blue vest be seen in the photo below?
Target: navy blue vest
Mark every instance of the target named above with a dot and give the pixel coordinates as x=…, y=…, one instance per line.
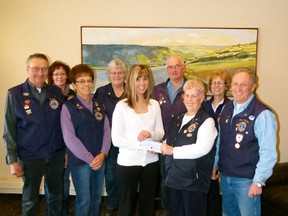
x=168, y=110
x=107, y=96
x=239, y=149
x=188, y=174
x=89, y=128
x=207, y=105
x=38, y=126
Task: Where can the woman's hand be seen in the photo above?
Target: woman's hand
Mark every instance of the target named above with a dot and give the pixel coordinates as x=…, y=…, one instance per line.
x=166, y=149
x=143, y=135
x=215, y=174
x=98, y=161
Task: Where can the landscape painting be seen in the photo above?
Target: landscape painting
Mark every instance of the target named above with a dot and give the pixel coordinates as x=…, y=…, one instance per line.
x=204, y=49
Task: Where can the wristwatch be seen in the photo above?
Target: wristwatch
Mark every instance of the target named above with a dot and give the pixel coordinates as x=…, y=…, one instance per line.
x=258, y=184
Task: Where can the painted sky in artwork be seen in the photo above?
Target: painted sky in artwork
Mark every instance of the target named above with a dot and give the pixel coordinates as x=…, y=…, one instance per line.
x=168, y=36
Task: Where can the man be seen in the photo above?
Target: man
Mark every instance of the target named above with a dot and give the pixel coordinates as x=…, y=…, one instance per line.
x=169, y=96
x=33, y=138
x=247, y=147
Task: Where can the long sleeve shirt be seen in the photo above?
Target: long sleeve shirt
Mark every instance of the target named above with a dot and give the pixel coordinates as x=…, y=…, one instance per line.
x=126, y=126
x=205, y=139
x=74, y=144
x=265, y=129
x=28, y=108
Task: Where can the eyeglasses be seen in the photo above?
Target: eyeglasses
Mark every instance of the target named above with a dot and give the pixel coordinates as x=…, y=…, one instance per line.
x=218, y=83
x=116, y=73
x=176, y=67
x=59, y=74
x=37, y=69
x=82, y=82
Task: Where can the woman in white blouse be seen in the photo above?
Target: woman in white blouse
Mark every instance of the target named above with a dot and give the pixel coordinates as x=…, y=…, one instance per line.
x=137, y=118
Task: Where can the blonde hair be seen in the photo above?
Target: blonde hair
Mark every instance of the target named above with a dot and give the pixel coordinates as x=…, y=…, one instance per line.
x=195, y=84
x=134, y=73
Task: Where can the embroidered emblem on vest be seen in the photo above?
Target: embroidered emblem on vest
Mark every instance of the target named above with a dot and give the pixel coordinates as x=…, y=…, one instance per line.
x=54, y=104
x=241, y=126
x=191, y=128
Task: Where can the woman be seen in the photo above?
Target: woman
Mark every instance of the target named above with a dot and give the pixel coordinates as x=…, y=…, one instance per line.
x=110, y=94
x=86, y=132
x=219, y=84
x=58, y=76
x=137, y=118
x=190, y=154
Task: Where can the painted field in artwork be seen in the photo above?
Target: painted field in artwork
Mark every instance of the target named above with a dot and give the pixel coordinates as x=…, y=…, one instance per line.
x=204, y=49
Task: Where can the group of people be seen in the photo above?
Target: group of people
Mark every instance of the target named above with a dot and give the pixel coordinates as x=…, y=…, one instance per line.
x=50, y=131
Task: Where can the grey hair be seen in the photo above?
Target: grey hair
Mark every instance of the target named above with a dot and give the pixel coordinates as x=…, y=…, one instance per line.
x=252, y=75
x=116, y=63
x=180, y=58
x=36, y=55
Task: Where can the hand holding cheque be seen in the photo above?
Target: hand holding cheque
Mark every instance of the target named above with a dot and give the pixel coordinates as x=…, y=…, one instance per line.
x=150, y=145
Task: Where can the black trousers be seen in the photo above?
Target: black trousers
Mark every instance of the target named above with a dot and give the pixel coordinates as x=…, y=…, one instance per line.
x=214, y=199
x=188, y=203
x=129, y=178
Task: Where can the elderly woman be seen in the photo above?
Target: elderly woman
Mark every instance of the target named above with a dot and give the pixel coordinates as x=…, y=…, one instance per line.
x=219, y=84
x=110, y=94
x=86, y=132
x=190, y=151
x=136, y=118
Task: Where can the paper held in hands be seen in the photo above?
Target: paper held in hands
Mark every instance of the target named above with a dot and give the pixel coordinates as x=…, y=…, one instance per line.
x=150, y=145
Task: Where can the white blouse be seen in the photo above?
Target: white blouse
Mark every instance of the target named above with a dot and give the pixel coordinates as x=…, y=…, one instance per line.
x=126, y=126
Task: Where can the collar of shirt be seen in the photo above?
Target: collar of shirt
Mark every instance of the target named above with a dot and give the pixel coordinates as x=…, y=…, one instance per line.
x=89, y=105
x=215, y=109
x=36, y=90
x=39, y=94
x=173, y=92
x=240, y=107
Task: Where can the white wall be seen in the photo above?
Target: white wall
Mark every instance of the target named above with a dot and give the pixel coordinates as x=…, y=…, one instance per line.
x=53, y=27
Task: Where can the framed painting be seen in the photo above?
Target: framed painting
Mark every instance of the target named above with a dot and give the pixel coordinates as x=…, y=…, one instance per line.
x=204, y=49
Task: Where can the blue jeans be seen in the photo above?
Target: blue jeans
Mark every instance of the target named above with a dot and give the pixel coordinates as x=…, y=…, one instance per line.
x=88, y=186
x=52, y=169
x=235, y=200
x=110, y=178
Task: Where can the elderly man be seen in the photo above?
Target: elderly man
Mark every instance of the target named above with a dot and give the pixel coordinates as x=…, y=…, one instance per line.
x=32, y=136
x=169, y=96
x=246, y=147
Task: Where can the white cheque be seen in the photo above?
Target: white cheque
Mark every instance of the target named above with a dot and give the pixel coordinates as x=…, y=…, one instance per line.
x=150, y=145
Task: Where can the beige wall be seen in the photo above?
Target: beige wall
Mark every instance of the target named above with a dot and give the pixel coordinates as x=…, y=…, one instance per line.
x=53, y=27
